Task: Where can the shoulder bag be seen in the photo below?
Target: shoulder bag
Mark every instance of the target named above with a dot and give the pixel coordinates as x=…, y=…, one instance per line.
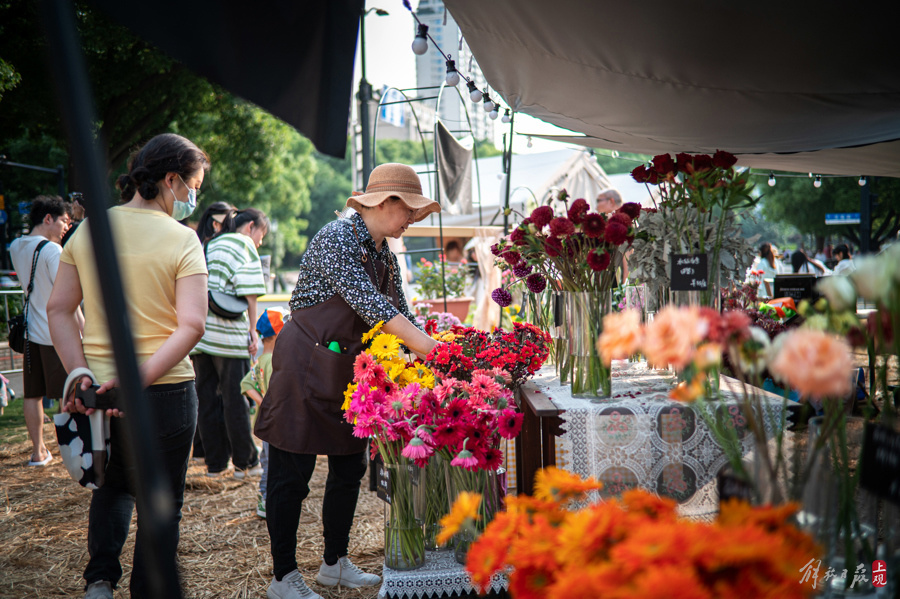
x=18, y=325
x=223, y=304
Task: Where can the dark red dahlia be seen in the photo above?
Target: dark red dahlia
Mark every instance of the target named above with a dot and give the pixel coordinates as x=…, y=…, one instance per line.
x=616, y=233
x=561, y=227
x=598, y=260
x=577, y=211
x=593, y=225
x=541, y=216
x=632, y=209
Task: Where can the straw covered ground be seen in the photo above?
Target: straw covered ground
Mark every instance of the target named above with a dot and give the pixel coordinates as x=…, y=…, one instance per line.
x=224, y=549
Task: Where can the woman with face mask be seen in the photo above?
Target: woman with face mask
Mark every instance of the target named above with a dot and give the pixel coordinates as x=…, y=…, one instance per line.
x=222, y=357
x=164, y=277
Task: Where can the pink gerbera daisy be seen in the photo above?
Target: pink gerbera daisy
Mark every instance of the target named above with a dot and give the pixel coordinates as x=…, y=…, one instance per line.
x=363, y=367
x=416, y=449
x=465, y=459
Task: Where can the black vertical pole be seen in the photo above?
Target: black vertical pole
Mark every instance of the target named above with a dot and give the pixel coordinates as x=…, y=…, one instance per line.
x=4, y=255
x=507, y=168
x=865, y=216
x=61, y=181
x=154, y=498
x=365, y=96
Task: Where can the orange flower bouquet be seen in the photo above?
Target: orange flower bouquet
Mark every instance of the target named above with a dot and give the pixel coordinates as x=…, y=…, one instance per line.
x=558, y=545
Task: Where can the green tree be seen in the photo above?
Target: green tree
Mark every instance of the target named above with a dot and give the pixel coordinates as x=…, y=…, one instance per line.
x=796, y=202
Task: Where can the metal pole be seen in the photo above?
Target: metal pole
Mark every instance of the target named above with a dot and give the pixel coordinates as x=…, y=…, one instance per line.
x=364, y=95
x=508, y=169
x=154, y=498
x=865, y=215
x=61, y=180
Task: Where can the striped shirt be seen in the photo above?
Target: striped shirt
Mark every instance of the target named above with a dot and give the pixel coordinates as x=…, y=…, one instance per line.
x=234, y=268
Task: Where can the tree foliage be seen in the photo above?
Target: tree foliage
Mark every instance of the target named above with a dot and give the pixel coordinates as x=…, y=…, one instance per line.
x=796, y=202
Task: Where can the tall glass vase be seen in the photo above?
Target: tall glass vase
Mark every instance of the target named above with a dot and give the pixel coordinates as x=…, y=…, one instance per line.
x=589, y=377
x=404, y=541
x=437, y=499
x=491, y=484
x=842, y=516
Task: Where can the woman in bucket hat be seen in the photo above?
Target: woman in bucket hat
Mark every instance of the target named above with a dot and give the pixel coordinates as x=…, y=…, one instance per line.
x=349, y=281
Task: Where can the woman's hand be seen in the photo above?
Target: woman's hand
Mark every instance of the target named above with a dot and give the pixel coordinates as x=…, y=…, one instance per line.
x=253, y=342
x=74, y=404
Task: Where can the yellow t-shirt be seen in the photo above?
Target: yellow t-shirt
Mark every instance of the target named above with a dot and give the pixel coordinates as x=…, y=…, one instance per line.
x=153, y=251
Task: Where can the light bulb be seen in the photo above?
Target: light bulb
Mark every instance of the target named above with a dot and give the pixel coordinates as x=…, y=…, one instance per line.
x=488, y=104
x=818, y=182
x=420, y=44
x=505, y=117
x=452, y=76
x=862, y=181
x=474, y=92
x=771, y=179
x=494, y=114
x=529, y=144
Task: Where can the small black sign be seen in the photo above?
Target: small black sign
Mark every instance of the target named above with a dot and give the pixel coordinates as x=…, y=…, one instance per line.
x=689, y=272
x=880, y=472
x=731, y=486
x=382, y=482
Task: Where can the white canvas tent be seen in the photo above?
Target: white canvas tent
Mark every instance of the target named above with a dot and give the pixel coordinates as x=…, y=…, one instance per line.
x=535, y=177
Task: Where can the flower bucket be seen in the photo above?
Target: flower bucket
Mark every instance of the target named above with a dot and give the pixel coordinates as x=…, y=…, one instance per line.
x=457, y=306
x=404, y=541
x=588, y=376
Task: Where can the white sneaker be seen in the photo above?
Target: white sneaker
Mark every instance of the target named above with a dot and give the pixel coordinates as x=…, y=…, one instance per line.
x=254, y=471
x=290, y=587
x=99, y=590
x=346, y=574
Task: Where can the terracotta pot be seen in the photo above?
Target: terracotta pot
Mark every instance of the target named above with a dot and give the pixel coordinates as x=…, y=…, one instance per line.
x=457, y=306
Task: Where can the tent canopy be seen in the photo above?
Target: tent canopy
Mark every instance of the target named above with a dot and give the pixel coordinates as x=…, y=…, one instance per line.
x=807, y=87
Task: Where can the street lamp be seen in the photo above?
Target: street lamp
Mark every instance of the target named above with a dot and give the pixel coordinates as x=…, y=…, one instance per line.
x=364, y=96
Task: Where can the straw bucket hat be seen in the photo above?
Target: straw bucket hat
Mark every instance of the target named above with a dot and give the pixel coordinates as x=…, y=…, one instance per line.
x=394, y=180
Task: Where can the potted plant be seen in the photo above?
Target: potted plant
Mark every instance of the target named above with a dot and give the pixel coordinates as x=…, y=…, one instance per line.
x=443, y=283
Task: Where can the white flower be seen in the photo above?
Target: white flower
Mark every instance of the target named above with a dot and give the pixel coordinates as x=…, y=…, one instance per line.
x=873, y=277
x=839, y=292
x=752, y=355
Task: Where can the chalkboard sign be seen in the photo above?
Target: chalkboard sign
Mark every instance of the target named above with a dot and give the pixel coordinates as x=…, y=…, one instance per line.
x=689, y=272
x=880, y=466
x=382, y=482
x=796, y=286
x=731, y=486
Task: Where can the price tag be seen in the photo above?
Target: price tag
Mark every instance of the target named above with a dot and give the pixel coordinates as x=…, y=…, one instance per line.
x=688, y=272
x=382, y=482
x=880, y=467
x=733, y=487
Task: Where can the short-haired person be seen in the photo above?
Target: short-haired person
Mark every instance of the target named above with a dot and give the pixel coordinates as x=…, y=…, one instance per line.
x=222, y=357
x=845, y=264
x=349, y=281
x=43, y=374
x=164, y=279
x=608, y=201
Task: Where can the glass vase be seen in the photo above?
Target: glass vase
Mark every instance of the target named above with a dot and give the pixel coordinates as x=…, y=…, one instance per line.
x=437, y=499
x=491, y=484
x=841, y=515
x=589, y=377
x=404, y=540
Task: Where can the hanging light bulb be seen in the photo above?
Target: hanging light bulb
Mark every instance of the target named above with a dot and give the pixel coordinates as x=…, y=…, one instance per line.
x=818, y=182
x=452, y=76
x=474, y=92
x=420, y=44
x=862, y=181
x=529, y=144
x=771, y=179
x=488, y=103
x=615, y=153
x=505, y=117
x=494, y=114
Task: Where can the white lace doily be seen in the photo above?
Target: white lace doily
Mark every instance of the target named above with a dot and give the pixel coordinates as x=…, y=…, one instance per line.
x=641, y=438
x=440, y=574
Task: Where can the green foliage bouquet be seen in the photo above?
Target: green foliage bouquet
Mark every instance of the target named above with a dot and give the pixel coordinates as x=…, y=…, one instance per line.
x=429, y=278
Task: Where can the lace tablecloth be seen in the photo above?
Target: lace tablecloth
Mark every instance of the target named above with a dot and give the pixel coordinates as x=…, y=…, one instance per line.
x=641, y=438
x=441, y=574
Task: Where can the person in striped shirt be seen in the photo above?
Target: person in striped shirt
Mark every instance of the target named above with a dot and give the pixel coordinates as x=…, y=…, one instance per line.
x=222, y=357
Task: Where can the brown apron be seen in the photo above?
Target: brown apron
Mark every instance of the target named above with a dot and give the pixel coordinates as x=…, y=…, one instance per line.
x=301, y=412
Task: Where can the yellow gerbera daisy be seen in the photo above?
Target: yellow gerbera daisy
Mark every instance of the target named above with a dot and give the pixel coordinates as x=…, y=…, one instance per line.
x=348, y=396
x=395, y=371
x=465, y=508
x=424, y=377
x=385, y=346
x=372, y=332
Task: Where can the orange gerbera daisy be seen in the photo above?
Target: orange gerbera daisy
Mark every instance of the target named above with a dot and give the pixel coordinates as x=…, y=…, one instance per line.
x=464, y=509
x=555, y=484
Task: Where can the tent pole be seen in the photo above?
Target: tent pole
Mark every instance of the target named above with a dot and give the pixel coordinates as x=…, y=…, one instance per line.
x=71, y=79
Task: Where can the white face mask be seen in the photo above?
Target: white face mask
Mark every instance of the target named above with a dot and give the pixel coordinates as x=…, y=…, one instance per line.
x=182, y=210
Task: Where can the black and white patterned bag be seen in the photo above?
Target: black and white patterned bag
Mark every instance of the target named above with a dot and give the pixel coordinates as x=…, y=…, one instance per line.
x=83, y=440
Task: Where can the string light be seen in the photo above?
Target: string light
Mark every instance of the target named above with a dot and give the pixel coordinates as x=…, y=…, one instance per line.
x=493, y=114
x=452, y=76
x=474, y=92
x=818, y=182
x=420, y=44
x=488, y=103
x=505, y=118
x=529, y=144
x=771, y=179
x=862, y=181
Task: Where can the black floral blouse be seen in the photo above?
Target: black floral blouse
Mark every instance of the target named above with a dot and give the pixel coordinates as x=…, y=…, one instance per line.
x=332, y=264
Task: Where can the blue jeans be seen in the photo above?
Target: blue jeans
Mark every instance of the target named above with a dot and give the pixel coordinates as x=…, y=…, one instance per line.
x=174, y=409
